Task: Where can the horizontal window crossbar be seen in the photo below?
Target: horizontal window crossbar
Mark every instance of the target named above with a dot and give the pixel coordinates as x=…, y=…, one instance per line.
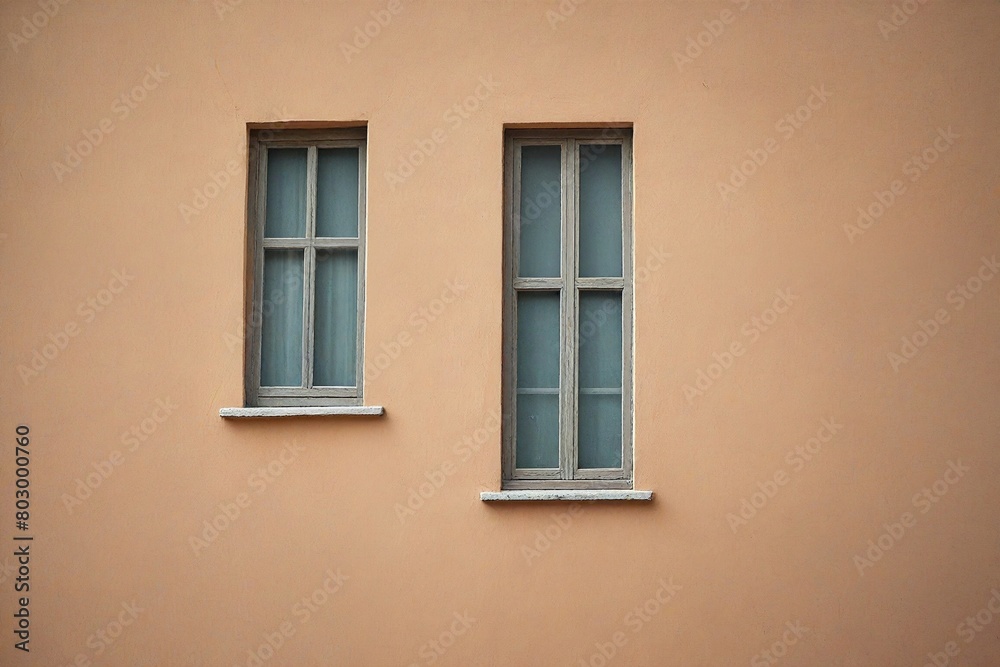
x=321, y=242
x=278, y=137
x=319, y=392
x=600, y=283
x=567, y=483
x=538, y=283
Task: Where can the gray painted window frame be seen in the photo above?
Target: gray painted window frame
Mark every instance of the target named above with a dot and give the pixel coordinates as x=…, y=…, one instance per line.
x=567, y=475
x=312, y=140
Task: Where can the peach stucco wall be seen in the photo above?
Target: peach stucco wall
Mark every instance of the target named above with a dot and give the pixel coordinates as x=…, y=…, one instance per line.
x=123, y=271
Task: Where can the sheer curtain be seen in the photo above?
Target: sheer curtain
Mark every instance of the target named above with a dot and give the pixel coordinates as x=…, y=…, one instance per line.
x=328, y=277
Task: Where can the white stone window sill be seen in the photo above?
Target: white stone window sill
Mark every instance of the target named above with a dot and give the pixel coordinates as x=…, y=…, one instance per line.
x=311, y=411
x=566, y=494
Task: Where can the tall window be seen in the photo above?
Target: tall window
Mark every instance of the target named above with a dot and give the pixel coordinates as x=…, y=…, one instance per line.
x=307, y=245
x=568, y=310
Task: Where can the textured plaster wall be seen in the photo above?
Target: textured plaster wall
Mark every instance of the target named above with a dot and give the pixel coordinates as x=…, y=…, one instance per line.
x=122, y=268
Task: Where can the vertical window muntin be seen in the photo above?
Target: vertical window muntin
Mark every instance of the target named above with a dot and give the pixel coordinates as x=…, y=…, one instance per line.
x=312, y=247
x=569, y=285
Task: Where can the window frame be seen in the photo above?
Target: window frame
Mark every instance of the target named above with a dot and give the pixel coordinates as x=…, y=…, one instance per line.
x=260, y=140
x=568, y=475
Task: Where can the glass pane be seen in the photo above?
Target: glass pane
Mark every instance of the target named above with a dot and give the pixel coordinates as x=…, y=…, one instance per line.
x=537, y=436
x=538, y=430
x=281, y=326
x=599, y=430
x=601, y=210
x=336, y=313
x=285, y=216
x=537, y=339
x=600, y=340
x=337, y=192
x=541, y=208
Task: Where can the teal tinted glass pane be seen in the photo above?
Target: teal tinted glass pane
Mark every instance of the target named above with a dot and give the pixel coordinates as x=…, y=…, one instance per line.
x=601, y=210
x=285, y=215
x=599, y=423
x=336, y=314
x=337, y=181
x=541, y=211
x=599, y=430
x=537, y=436
x=538, y=339
x=600, y=342
x=281, y=324
x=538, y=430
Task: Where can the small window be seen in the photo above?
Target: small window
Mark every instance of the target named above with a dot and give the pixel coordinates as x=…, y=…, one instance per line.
x=568, y=310
x=307, y=250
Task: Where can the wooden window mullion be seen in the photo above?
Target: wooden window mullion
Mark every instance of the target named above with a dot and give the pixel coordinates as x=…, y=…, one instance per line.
x=628, y=311
x=361, y=263
x=252, y=328
x=512, y=177
x=309, y=272
x=567, y=328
